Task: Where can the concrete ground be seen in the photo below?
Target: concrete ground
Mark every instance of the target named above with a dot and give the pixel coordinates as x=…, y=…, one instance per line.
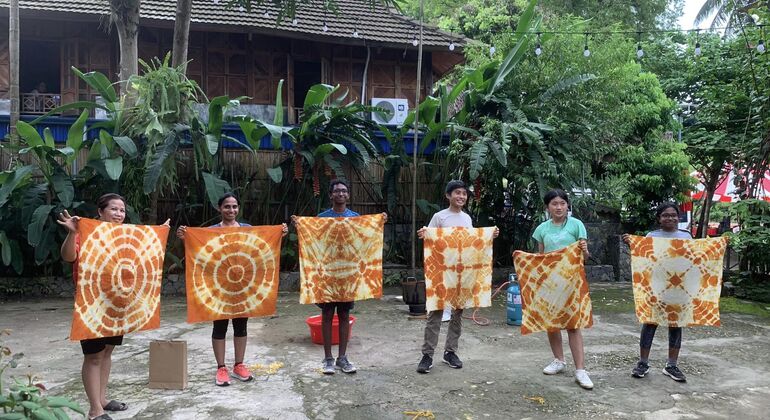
x=728, y=368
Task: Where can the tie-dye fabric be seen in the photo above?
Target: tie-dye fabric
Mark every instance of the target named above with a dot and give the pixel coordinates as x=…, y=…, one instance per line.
x=117, y=286
x=340, y=258
x=458, y=267
x=231, y=272
x=554, y=290
x=677, y=282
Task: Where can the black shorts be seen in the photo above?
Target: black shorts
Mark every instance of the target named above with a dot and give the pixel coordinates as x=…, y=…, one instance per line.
x=339, y=305
x=95, y=345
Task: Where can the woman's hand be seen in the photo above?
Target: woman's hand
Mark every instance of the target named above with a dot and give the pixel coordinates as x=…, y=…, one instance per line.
x=180, y=231
x=69, y=222
x=627, y=238
x=497, y=232
x=385, y=216
x=293, y=219
x=421, y=232
x=167, y=223
x=284, y=229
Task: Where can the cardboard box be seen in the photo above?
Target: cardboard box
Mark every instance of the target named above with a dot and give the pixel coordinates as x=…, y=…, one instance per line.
x=168, y=364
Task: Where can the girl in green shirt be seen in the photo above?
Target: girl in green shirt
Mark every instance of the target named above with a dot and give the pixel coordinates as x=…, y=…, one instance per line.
x=552, y=235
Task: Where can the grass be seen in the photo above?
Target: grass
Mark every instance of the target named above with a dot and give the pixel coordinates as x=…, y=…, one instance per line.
x=739, y=306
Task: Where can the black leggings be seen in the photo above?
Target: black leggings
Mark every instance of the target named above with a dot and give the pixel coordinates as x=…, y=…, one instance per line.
x=648, y=333
x=220, y=328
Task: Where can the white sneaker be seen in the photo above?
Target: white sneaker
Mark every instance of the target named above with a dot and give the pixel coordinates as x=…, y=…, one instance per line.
x=555, y=367
x=581, y=377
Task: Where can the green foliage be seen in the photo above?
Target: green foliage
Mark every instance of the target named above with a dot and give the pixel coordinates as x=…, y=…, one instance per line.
x=26, y=400
x=655, y=172
x=331, y=132
x=753, y=239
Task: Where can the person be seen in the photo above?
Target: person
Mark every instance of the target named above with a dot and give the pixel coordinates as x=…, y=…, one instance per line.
x=558, y=232
x=667, y=216
x=228, y=207
x=339, y=192
x=453, y=216
x=97, y=353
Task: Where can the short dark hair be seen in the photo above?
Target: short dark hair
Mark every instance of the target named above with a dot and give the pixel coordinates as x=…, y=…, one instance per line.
x=455, y=184
x=663, y=206
x=226, y=196
x=338, y=181
x=105, y=199
x=556, y=192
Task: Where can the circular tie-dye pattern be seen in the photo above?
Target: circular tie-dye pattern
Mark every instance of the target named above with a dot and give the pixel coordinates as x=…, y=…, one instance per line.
x=234, y=274
x=119, y=279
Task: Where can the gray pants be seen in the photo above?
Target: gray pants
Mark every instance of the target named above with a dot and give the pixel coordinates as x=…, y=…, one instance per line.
x=433, y=327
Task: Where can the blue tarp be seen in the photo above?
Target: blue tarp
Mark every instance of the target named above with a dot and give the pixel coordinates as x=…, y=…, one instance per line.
x=59, y=127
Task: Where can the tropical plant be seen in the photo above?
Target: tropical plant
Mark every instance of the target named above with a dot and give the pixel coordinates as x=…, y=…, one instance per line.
x=26, y=400
x=331, y=136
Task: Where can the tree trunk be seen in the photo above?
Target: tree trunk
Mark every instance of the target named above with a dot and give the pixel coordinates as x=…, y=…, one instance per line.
x=181, y=33
x=125, y=16
x=712, y=177
x=13, y=50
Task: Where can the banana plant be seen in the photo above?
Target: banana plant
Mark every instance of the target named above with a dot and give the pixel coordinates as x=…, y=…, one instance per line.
x=331, y=132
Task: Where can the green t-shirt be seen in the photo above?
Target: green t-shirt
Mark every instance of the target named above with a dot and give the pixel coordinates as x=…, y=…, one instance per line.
x=555, y=237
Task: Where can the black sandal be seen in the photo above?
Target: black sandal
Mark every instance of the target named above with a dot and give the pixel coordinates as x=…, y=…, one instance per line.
x=115, y=406
x=104, y=416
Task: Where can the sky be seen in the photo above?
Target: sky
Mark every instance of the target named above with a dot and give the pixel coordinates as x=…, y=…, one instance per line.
x=691, y=8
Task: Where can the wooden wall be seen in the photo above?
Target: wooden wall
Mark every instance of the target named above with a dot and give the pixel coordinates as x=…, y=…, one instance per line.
x=226, y=63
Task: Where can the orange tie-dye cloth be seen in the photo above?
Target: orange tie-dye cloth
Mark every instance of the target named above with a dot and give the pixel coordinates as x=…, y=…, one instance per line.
x=231, y=272
x=118, y=281
x=340, y=258
x=458, y=267
x=554, y=290
x=677, y=282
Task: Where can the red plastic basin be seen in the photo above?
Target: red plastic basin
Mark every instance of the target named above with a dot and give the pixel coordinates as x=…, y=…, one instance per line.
x=316, y=336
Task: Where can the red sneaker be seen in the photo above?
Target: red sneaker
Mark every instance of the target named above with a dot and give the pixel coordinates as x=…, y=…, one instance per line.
x=241, y=372
x=223, y=376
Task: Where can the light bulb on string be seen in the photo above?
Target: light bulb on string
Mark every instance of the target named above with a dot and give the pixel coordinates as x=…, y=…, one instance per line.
x=586, y=51
x=355, y=33
x=639, y=51
x=697, y=42
x=326, y=27
x=240, y=8
x=538, y=49
x=492, y=51
x=294, y=21
x=267, y=14
x=452, y=46
x=761, y=47
x=415, y=42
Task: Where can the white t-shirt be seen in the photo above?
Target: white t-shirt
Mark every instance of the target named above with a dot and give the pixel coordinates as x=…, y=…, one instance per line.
x=447, y=218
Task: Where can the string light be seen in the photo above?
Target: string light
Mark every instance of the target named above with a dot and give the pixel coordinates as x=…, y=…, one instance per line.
x=538, y=49
x=355, y=32
x=267, y=14
x=294, y=21
x=697, y=43
x=639, y=50
x=586, y=51
x=761, y=43
x=415, y=42
x=452, y=46
x=492, y=51
x=326, y=27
